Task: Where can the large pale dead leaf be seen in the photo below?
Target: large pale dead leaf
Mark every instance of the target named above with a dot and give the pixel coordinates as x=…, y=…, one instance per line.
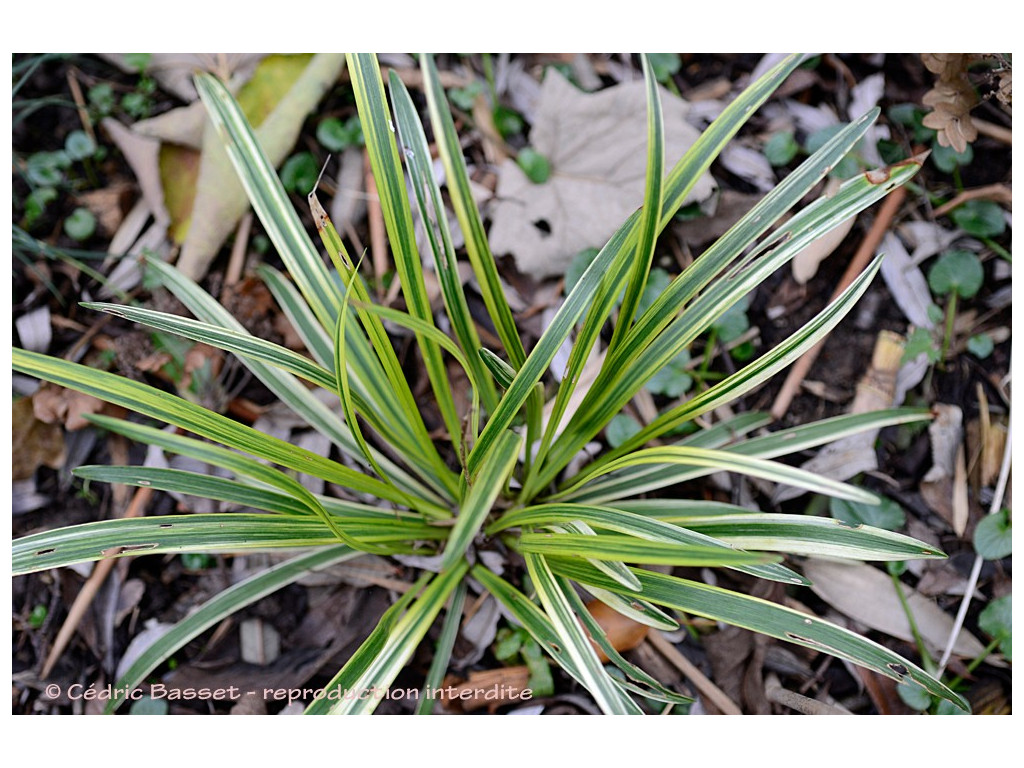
x=184, y=172
x=174, y=70
x=867, y=595
x=596, y=145
x=220, y=199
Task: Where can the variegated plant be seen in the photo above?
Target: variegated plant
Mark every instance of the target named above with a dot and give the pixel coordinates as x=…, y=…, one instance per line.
x=500, y=480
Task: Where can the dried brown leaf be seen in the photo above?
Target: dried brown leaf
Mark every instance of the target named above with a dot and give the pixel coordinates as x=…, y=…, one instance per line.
x=596, y=146
x=39, y=444
x=53, y=405
x=944, y=487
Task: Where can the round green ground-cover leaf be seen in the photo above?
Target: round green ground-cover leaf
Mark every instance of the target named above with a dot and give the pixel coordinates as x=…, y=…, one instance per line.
x=664, y=65
x=299, y=172
x=914, y=696
x=887, y=515
x=79, y=145
x=947, y=159
x=993, y=538
x=80, y=225
x=674, y=379
x=620, y=429
x=997, y=621
x=980, y=346
x=536, y=167
x=781, y=148
x=336, y=135
x=958, y=272
x=981, y=218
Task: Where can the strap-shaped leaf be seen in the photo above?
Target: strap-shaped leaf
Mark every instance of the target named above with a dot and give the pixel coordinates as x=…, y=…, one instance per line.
x=812, y=536
x=630, y=550
x=127, y=537
x=766, y=618
x=653, y=191
x=480, y=499
x=432, y=213
x=642, y=479
x=680, y=180
x=243, y=344
x=551, y=591
x=270, y=201
x=470, y=221
x=443, y=650
x=379, y=133
x=376, y=664
x=726, y=461
x=637, y=524
x=367, y=524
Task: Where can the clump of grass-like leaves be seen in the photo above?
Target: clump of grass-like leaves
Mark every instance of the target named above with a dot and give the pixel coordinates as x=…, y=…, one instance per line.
x=500, y=481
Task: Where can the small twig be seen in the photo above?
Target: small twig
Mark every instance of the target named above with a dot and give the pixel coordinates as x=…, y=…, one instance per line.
x=238, y=249
x=993, y=131
x=378, y=236
x=83, y=113
x=999, y=193
x=85, y=597
x=712, y=692
x=774, y=691
x=860, y=260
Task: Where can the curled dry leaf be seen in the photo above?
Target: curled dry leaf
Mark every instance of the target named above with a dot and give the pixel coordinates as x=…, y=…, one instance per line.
x=805, y=263
x=944, y=488
x=490, y=688
x=39, y=443
x=55, y=405
x=623, y=633
x=174, y=70
x=596, y=146
x=750, y=165
x=180, y=163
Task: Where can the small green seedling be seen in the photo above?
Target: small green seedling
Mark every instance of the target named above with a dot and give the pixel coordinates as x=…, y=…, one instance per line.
x=981, y=345
x=956, y=274
x=536, y=167
x=38, y=616
x=514, y=645
x=80, y=225
x=465, y=97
